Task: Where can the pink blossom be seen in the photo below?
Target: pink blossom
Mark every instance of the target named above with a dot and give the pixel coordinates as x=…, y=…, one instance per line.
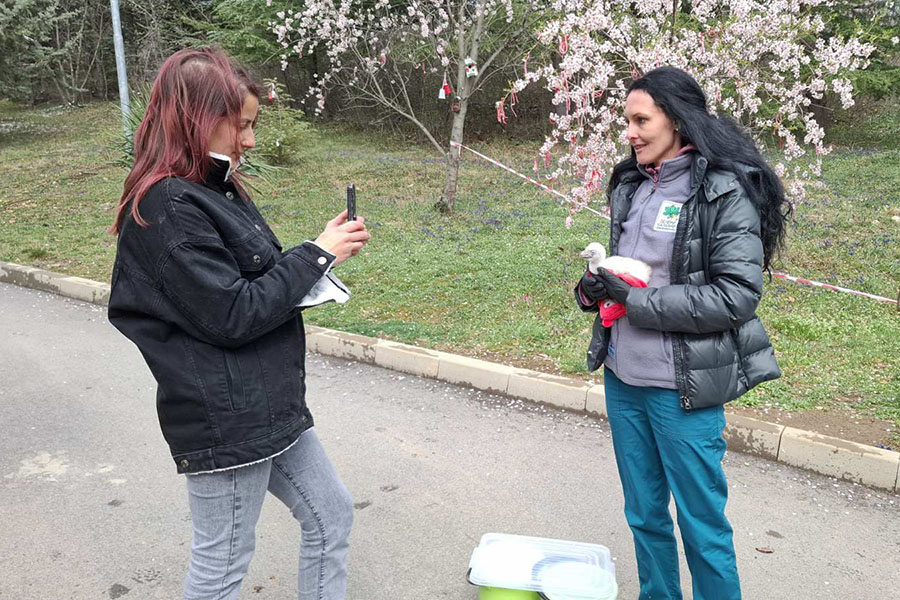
x=759, y=45
x=762, y=46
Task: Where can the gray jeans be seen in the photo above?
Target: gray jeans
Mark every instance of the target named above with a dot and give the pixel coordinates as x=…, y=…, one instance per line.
x=225, y=507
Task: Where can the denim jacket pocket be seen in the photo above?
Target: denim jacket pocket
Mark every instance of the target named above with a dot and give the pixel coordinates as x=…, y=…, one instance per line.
x=252, y=254
x=245, y=379
x=235, y=380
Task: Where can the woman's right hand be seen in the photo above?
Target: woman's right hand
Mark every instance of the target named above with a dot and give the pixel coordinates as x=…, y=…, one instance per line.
x=343, y=238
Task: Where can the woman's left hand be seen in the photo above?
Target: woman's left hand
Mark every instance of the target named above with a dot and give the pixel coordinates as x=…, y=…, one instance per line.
x=617, y=287
x=592, y=287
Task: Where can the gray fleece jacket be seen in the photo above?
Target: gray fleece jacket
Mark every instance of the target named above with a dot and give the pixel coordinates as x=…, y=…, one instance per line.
x=644, y=357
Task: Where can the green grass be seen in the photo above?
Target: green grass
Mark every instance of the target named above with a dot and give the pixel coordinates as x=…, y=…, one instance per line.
x=837, y=349
x=868, y=124
x=494, y=279
x=59, y=188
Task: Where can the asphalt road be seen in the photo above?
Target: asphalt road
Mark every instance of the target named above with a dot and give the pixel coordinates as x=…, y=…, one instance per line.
x=91, y=506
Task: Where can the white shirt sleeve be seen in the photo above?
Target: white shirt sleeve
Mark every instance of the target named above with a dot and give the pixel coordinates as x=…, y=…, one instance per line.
x=328, y=289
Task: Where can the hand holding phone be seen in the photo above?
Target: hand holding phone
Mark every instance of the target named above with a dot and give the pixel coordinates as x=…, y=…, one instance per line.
x=351, y=202
x=345, y=237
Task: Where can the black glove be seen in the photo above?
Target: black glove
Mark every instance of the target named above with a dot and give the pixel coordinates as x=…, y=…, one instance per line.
x=592, y=287
x=616, y=287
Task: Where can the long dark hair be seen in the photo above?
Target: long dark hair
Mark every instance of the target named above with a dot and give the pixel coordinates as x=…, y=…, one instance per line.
x=194, y=91
x=722, y=142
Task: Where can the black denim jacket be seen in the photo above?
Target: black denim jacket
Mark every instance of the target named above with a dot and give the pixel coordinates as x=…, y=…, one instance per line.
x=210, y=300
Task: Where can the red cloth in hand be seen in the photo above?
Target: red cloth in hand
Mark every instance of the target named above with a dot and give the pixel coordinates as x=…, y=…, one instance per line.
x=610, y=310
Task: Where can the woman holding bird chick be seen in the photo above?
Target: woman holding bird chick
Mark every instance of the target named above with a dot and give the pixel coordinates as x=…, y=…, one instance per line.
x=699, y=206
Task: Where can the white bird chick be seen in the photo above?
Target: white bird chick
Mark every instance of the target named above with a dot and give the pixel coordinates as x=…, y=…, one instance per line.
x=596, y=255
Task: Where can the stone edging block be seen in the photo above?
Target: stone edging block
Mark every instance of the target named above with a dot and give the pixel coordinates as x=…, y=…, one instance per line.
x=407, y=359
x=596, y=400
x=752, y=436
x=479, y=374
x=47, y=281
x=827, y=455
x=549, y=389
x=342, y=345
x=859, y=463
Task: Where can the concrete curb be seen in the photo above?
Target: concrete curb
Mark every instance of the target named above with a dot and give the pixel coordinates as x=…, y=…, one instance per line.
x=47, y=281
x=822, y=454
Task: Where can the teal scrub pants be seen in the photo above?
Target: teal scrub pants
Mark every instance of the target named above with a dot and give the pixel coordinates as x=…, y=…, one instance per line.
x=661, y=449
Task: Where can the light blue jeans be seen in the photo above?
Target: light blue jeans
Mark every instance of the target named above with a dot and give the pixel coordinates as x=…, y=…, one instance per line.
x=225, y=507
x=663, y=451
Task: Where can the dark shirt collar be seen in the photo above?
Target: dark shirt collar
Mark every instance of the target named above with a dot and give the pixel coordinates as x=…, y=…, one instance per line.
x=221, y=169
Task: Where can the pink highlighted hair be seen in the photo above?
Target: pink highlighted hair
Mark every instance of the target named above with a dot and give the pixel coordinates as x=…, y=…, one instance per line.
x=194, y=91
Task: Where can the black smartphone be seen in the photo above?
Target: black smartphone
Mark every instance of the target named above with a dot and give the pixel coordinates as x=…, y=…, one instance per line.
x=351, y=202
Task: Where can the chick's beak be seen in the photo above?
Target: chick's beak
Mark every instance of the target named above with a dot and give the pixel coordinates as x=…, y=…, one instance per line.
x=587, y=254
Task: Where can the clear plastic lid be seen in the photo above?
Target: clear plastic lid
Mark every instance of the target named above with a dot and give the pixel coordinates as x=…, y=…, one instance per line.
x=559, y=569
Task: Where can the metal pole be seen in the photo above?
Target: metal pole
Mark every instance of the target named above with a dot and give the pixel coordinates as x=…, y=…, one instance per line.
x=120, y=64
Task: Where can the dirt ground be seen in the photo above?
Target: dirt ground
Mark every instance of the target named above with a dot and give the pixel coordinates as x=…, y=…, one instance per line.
x=852, y=427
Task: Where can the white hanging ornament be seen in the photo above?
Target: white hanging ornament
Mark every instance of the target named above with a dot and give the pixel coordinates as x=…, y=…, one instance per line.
x=471, y=68
x=445, y=89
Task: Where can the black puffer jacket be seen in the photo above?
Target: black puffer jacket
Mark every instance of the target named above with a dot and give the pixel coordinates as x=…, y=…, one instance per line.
x=211, y=302
x=720, y=347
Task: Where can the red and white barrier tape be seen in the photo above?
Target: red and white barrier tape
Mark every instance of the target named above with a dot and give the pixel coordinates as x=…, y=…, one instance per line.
x=833, y=288
x=526, y=178
x=778, y=274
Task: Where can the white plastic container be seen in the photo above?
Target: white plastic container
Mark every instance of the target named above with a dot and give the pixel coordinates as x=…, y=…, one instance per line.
x=558, y=569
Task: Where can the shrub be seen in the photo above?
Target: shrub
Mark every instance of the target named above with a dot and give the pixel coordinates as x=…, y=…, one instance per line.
x=281, y=132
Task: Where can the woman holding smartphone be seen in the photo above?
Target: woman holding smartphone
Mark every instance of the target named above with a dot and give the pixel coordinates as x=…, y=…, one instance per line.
x=204, y=289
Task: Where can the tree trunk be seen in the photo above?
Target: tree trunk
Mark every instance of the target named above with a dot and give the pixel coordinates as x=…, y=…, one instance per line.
x=822, y=111
x=558, y=109
x=448, y=198
x=311, y=64
x=465, y=87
